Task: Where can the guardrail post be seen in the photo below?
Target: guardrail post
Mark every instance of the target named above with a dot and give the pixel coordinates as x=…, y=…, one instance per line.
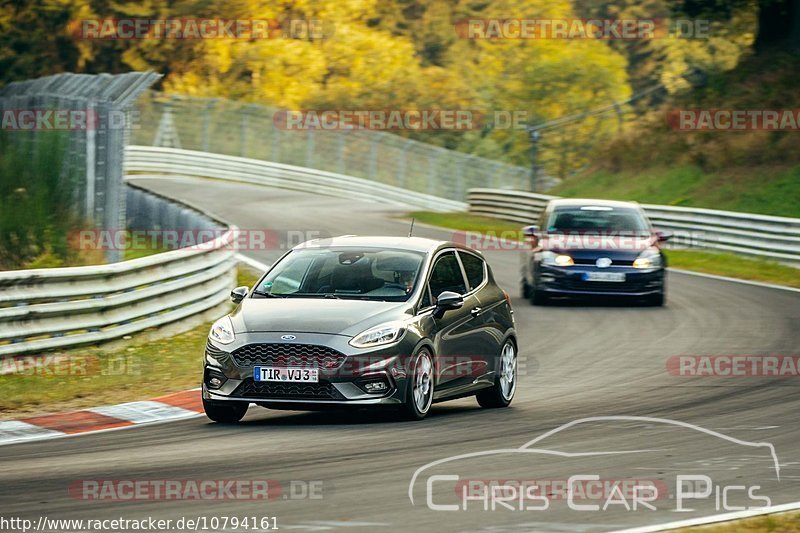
x=90, y=170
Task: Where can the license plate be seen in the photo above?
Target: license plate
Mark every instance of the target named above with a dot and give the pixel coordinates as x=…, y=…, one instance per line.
x=298, y=375
x=604, y=276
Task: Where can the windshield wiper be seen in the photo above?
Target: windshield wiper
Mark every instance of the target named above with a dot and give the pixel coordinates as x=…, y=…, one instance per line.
x=266, y=294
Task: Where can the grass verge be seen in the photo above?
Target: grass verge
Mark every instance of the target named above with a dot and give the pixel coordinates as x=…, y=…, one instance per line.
x=775, y=523
x=116, y=372
x=718, y=263
x=734, y=266
x=768, y=190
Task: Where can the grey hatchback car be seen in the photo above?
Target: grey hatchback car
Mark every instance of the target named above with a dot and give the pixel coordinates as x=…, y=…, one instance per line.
x=364, y=322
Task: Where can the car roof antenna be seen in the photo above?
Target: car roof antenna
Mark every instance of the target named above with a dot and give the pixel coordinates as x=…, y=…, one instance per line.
x=411, y=229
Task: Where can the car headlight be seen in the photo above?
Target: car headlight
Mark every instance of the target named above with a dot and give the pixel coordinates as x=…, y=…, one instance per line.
x=379, y=335
x=550, y=258
x=650, y=258
x=222, y=331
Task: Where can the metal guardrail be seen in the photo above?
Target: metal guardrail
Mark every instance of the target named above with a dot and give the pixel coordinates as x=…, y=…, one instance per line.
x=770, y=237
x=250, y=130
x=51, y=308
x=153, y=160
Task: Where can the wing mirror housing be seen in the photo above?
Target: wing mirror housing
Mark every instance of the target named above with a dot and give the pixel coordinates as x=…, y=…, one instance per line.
x=531, y=231
x=447, y=301
x=238, y=294
x=531, y=234
x=663, y=236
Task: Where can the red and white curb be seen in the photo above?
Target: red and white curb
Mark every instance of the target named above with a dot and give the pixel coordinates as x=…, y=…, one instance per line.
x=177, y=406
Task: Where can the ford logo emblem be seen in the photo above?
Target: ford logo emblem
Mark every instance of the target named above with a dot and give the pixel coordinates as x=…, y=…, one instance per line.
x=288, y=337
x=603, y=262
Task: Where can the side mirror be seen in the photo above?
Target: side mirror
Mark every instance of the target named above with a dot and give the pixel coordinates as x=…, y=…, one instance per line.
x=447, y=301
x=531, y=234
x=531, y=231
x=663, y=236
x=238, y=294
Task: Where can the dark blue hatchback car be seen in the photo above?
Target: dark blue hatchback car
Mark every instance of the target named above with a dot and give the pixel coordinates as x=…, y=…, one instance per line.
x=593, y=248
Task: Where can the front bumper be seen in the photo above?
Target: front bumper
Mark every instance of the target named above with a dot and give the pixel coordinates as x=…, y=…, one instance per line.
x=343, y=371
x=570, y=281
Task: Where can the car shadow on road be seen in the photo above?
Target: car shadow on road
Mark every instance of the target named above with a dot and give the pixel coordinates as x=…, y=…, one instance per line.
x=598, y=302
x=351, y=417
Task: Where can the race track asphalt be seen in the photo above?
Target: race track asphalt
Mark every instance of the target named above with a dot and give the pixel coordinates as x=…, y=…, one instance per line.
x=606, y=360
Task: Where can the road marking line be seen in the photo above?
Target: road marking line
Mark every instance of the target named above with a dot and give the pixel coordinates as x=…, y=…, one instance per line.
x=18, y=431
x=145, y=411
x=713, y=519
x=254, y=263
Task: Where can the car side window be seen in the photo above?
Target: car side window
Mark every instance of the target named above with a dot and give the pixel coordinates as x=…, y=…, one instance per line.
x=446, y=276
x=473, y=266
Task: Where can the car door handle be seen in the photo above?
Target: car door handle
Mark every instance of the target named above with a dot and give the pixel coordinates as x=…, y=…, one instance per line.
x=476, y=311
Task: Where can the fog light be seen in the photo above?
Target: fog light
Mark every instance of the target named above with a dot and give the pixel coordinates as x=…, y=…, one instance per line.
x=215, y=379
x=376, y=386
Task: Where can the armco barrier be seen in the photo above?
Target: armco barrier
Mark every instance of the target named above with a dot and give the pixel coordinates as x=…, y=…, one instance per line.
x=776, y=238
x=58, y=307
x=159, y=161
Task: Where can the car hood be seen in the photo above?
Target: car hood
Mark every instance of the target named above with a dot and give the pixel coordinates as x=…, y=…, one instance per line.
x=314, y=315
x=589, y=247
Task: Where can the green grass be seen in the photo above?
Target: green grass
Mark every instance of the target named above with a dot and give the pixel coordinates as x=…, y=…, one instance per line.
x=734, y=266
x=776, y=523
x=464, y=222
x=767, y=190
x=116, y=372
x=719, y=263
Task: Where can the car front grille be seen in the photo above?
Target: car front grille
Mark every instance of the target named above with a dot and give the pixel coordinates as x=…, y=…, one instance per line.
x=270, y=390
x=602, y=286
x=288, y=355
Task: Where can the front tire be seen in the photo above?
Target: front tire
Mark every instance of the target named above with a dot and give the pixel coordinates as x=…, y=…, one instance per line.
x=419, y=389
x=525, y=290
x=505, y=383
x=539, y=297
x=225, y=412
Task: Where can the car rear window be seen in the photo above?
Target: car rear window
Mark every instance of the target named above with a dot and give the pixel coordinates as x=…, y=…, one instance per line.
x=473, y=267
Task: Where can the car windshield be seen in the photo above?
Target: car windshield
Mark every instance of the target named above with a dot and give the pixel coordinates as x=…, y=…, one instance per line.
x=349, y=273
x=597, y=219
